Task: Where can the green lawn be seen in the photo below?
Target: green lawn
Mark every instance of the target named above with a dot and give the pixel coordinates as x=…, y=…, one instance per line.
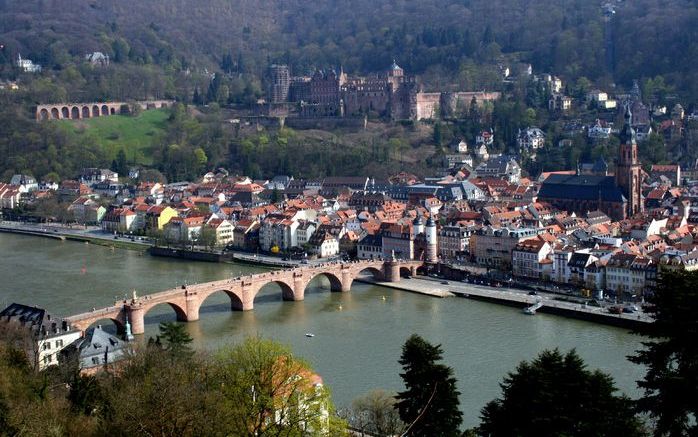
x=133, y=134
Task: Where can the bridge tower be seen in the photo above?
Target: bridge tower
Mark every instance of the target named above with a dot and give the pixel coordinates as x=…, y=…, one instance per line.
x=430, y=231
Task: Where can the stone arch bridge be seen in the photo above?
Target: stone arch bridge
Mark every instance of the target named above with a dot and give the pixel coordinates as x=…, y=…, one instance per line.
x=188, y=299
x=77, y=111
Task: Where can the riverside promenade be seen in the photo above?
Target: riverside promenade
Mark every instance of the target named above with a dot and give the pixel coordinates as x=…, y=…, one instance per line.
x=551, y=303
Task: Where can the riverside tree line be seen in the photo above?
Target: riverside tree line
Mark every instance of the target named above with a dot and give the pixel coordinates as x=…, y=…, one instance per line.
x=167, y=389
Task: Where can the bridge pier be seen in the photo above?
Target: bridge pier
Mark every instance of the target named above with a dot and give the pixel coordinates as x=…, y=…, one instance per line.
x=391, y=271
x=247, y=298
x=193, y=306
x=298, y=287
x=136, y=315
x=347, y=279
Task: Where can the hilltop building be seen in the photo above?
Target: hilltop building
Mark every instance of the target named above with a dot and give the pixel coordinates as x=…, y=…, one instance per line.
x=391, y=93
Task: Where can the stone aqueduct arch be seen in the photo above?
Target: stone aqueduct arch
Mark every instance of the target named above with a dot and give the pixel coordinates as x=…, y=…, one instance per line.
x=188, y=300
x=75, y=111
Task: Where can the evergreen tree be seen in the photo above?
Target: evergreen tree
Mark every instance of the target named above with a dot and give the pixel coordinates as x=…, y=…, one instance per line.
x=555, y=395
x=438, y=135
x=121, y=163
x=176, y=339
x=429, y=405
x=671, y=358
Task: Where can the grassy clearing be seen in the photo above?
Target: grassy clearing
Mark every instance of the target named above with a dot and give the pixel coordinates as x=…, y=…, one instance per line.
x=134, y=134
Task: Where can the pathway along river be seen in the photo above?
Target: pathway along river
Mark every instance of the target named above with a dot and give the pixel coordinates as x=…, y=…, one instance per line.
x=355, y=348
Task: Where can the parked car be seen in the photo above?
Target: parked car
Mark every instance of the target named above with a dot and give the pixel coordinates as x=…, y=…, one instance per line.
x=533, y=293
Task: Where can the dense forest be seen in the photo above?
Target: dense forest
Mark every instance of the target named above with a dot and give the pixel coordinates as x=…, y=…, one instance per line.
x=215, y=54
x=162, y=47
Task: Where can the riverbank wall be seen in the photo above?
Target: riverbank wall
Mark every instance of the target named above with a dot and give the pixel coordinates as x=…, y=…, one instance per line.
x=518, y=300
x=56, y=234
x=193, y=255
x=53, y=236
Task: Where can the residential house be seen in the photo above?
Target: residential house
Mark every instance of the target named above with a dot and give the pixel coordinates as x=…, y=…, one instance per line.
x=304, y=231
x=398, y=240
x=24, y=183
x=599, y=131
x=559, y=102
x=500, y=167
x=86, y=210
x=184, y=229
x=577, y=266
x=484, y=138
x=119, y=220
x=626, y=274
x=92, y=176
x=454, y=241
x=323, y=244
x=531, y=138
x=224, y=230
x=9, y=196
x=49, y=336
x=96, y=350
x=370, y=247
x=246, y=235
x=529, y=259
x=278, y=232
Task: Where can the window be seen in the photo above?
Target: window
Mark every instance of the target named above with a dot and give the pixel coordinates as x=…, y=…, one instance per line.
x=59, y=343
x=47, y=359
x=95, y=360
x=47, y=345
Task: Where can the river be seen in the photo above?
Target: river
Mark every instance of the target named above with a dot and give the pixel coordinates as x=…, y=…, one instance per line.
x=358, y=335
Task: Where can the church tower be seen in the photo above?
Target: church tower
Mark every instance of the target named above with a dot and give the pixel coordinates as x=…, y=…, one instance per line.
x=628, y=170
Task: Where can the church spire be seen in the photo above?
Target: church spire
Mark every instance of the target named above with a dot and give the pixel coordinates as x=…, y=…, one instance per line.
x=627, y=135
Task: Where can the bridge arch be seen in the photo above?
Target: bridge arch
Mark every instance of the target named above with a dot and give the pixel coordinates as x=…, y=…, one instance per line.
x=65, y=112
x=43, y=114
x=335, y=282
x=95, y=111
x=180, y=312
x=375, y=272
x=85, y=112
x=112, y=111
x=407, y=271
x=286, y=289
x=118, y=324
x=235, y=300
x=75, y=113
x=105, y=110
x=55, y=115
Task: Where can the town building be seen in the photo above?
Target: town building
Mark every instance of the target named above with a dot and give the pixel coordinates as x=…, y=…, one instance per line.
x=47, y=336
x=492, y=247
x=529, y=259
x=95, y=351
x=531, y=138
x=454, y=241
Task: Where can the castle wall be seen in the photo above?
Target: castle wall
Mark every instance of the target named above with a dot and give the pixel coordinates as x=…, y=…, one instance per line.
x=427, y=105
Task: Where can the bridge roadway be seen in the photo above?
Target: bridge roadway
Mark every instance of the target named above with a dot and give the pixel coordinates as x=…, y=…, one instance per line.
x=187, y=299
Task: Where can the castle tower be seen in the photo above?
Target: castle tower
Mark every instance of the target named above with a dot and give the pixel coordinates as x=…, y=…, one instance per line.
x=430, y=231
x=628, y=170
x=280, y=83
